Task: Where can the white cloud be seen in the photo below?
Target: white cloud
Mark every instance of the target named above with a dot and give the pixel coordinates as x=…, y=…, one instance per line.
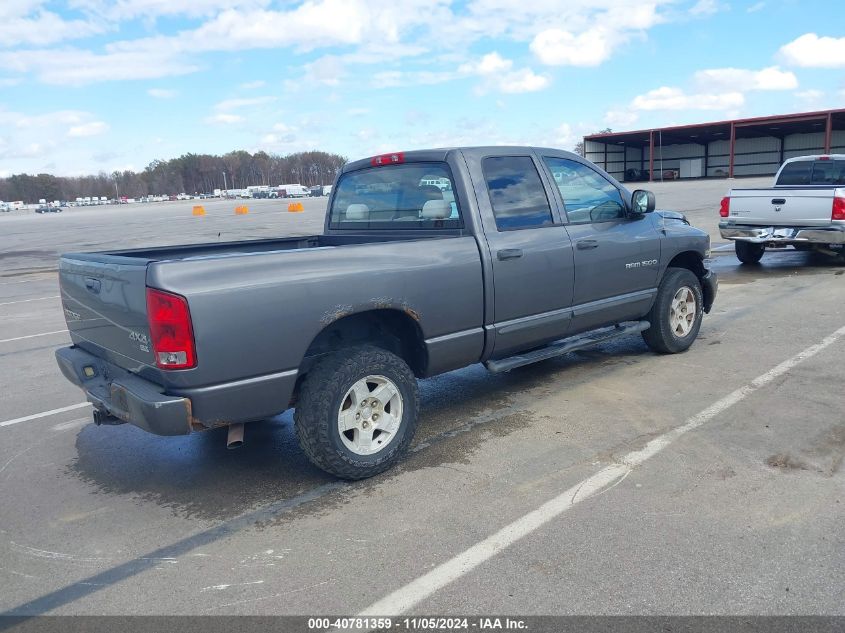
x=162, y=93
x=94, y=128
x=43, y=27
x=668, y=98
x=812, y=51
x=556, y=47
x=122, y=10
x=235, y=104
x=523, y=80
x=811, y=98
x=226, y=119
x=252, y=85
x=755, y=7
x=565, y=136
x=327, y=70
x=594, y=44
x=497, y=74
x=704, y=7
x=71, y=66
x=620, y=118
x=489, y=64
x=32, y=136
x=733, y=79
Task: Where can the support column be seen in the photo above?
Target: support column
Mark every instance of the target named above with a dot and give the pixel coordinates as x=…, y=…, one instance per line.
x=733, y=147
x=624, y=161
x=605, y=156
x=651, y=156
x=706, y=157
x=781, y=151
x=828, y=132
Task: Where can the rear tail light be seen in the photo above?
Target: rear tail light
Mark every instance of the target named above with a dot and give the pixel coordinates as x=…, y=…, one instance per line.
x=170, y=330
x=838, y=212
x=725, y=207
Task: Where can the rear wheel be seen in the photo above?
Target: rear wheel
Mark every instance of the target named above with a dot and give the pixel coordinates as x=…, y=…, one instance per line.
x=357, y=412
x=676, y=314
x=749, y=252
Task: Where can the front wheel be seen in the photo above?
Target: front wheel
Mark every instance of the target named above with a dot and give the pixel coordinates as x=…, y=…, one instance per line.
x=676, y=314
x=357, y=412
x=749, y=252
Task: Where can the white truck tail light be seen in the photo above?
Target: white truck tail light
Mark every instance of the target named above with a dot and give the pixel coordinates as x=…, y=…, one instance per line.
x=725, y=207
x=838, y=212
x=170, y=330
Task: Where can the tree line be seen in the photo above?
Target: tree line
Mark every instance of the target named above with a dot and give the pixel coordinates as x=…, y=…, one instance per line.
x=189, y=173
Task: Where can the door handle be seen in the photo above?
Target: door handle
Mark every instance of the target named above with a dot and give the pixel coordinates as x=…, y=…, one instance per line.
x=509, y=253
x=584, y=245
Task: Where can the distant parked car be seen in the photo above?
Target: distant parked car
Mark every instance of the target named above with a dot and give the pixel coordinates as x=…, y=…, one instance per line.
x=45, y=209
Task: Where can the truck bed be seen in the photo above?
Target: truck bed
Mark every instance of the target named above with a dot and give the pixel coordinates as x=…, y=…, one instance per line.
x=256, y=305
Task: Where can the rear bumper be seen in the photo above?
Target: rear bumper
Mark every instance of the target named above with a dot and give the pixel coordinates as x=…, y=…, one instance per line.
x=115, y=393
x=783, y=235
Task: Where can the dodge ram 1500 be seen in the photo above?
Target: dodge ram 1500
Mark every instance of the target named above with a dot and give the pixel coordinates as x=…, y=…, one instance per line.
x=429, y=261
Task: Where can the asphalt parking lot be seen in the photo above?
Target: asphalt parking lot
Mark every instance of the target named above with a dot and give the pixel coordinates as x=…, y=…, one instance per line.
x=609, y=481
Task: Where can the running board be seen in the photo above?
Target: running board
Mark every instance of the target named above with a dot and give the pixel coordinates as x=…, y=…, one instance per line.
x=567, y=345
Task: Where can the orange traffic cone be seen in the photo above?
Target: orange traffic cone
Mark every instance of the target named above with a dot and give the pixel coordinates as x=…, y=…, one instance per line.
x=295, y=207
x=242, y=210
x=199, y=210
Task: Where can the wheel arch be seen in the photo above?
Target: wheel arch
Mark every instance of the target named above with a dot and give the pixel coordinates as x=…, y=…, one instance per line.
x=694, y=262
x=391, y=329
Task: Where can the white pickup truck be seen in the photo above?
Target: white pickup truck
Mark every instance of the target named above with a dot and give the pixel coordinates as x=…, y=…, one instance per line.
x=805, y=209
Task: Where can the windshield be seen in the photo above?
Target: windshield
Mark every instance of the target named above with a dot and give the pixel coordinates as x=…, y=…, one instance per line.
x=409, y=196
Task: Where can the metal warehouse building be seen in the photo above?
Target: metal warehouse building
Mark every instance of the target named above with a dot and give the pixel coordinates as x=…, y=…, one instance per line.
x=723, y=149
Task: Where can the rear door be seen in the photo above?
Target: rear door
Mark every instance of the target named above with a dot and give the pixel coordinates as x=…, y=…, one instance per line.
x=616, y=256
x=105, y=306
x=530, y=250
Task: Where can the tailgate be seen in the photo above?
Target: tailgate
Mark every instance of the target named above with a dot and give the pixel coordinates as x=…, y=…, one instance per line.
x=782, y=207
x=104, y=301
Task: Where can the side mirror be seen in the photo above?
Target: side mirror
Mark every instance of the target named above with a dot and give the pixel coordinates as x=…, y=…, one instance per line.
x=642, y=201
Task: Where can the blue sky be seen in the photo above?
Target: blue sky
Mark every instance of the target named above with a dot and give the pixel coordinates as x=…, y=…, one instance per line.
x=97, y=85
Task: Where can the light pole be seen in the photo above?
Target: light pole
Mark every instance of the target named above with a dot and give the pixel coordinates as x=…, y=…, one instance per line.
x=225, y=187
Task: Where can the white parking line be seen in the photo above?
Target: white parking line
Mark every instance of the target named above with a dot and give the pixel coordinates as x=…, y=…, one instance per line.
x=35, y=416
x=423, y=587
x=20, y=338
x=11, y=303
x=22, y=281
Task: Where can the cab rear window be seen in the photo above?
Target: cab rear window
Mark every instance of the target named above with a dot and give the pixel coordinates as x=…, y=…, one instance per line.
x=396, y=197
x=813, y=172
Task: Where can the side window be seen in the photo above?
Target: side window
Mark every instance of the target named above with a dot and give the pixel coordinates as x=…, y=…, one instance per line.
x=516, y=192
x=587, y=196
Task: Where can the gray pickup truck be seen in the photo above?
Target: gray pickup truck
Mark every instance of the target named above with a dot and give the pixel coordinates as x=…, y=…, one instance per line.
x=430, y=261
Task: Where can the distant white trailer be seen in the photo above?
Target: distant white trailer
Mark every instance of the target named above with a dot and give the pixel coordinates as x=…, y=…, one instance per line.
x=295, y=190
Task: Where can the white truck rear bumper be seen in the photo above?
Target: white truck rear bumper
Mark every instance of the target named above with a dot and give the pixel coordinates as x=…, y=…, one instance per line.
x=783, y=235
